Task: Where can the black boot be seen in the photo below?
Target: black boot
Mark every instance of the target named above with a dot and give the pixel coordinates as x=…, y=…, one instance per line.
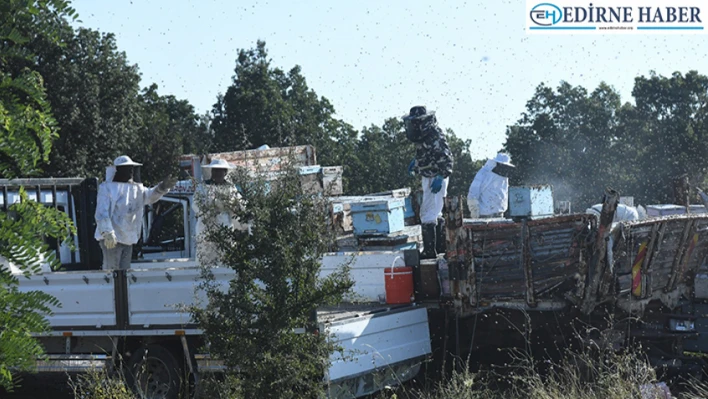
x=441, y=237
x=428, y=241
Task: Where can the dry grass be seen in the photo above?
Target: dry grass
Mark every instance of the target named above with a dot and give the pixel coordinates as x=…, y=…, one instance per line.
x=577, y=376
x=99, y=384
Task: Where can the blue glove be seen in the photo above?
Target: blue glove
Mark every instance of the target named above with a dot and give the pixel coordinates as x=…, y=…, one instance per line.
x=411, y=166
x=436, y=185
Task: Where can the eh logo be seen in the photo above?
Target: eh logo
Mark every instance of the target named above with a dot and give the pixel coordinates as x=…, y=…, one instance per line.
x=546, y=14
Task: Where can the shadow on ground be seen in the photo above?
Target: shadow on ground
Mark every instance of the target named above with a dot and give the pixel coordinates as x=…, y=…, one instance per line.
x=40, y=387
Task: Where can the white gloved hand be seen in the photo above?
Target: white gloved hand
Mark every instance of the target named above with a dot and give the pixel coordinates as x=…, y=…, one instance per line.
x=167, y=183
x=473, y=205
x=109, y=239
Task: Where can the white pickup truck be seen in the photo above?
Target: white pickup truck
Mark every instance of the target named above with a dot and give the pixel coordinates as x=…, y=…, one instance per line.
x=107, y=315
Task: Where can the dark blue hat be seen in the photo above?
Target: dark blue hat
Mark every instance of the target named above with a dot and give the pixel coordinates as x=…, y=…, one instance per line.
x=418, y=111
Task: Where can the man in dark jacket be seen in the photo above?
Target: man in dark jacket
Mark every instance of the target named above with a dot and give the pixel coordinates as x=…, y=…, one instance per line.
x=433, y=161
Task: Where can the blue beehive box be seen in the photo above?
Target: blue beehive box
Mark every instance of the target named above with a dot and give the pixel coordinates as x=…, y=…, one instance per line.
x=530, y=201
x=409, y=212
x=378, y=217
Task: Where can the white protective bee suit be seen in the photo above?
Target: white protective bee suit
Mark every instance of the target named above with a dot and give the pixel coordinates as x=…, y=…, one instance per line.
x=623, y=213
x=488, y=194
x=119, y=215
x=215, y=198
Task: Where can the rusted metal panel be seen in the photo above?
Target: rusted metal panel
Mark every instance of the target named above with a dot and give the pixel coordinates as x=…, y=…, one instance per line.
x=575, y=257
x=558, y=253
x=528, y=261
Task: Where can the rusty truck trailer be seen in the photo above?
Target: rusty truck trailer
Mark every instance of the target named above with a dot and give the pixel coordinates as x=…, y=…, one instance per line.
x=630, y=278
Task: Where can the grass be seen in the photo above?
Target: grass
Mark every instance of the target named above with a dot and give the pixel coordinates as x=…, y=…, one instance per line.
x=578, y=375
x=99, y=384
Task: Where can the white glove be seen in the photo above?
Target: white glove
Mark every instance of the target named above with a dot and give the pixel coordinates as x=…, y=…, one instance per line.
x=109, y=239
x=167, y=184
x=473, y=205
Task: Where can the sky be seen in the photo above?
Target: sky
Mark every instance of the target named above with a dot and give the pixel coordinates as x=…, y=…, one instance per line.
x=470, y=61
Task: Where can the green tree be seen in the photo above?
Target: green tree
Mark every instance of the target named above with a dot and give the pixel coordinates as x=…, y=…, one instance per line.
x=382, y=156
x=465, y=167
x=94, y=94
x=583, y=142
x=168, y=128
x=569, y=138
x=266, y=105
x=667, y=130
x=27, y=130
x=251, y=326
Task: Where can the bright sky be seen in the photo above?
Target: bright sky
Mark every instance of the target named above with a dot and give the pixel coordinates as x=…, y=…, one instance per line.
x=471, y=62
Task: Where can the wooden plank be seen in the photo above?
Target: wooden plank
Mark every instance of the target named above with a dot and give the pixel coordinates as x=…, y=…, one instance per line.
x=677, y=273
x=678, y=256
x=526, y=263
x=646, y=269
x=270, y=160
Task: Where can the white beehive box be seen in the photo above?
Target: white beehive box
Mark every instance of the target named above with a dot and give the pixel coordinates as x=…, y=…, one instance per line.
x=671, y=209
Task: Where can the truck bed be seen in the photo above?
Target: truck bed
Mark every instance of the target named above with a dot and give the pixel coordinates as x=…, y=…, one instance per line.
x=156, y=292
x=547, y=262
x=381, y=344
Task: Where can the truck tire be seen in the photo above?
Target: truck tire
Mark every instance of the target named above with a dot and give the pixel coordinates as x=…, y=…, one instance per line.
x=154, y=373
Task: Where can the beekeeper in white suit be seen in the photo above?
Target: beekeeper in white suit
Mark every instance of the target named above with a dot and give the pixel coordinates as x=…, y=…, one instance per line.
x=212, y=197
x=119, y=211
x=488, y=196
x=623, y=213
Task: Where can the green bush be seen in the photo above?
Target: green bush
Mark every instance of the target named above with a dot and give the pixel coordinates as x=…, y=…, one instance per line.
x=255, y=327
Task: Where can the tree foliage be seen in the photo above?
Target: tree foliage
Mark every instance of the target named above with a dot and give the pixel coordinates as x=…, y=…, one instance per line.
x=566, y=138
x=22, y=243
x=27, y=130
x=252, y=326
x=27, y=127
x=95, y=94
x=382, y=154
x=265, y=105
x=666, y=132
x=169, y=128
x=582, y=142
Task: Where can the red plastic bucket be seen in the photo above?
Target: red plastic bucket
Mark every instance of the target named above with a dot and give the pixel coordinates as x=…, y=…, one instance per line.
x=399, y=285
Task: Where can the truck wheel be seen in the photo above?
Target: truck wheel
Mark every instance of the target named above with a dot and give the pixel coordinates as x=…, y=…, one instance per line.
x=154, y=373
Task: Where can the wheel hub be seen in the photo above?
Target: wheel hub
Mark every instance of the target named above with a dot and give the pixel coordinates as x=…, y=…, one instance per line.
x=154, y=379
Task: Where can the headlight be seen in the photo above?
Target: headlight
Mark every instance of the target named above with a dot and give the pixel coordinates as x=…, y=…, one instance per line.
x=681, y=325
